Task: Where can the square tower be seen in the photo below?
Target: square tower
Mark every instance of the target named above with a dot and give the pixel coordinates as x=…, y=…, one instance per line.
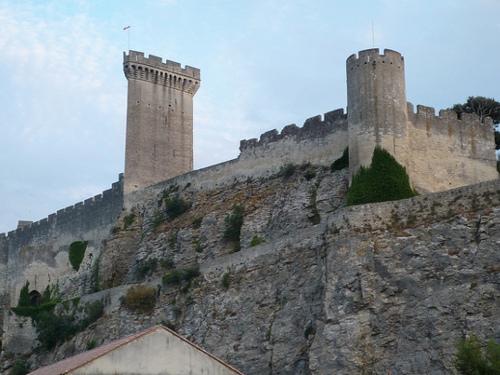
x=159, y=142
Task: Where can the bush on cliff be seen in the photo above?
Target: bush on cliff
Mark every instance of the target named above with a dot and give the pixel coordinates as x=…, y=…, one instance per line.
x=175, y=206
x=233, y=223
x=140, y=298
x=20, y=368
x=472, y=360
x=342, y=162
x=384, y=180
x=76, y=253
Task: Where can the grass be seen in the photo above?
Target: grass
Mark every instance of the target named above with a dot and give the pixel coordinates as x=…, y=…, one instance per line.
x=287, y=170
x=226, y=280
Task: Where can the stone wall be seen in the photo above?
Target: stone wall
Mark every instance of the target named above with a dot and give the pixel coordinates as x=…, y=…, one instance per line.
x=38, y=253
x=447, y=152
x=320, y=141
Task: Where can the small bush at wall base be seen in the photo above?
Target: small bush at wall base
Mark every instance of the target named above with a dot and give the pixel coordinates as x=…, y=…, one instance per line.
x=146, y=267
x=342, y=162
x=76, y=253
x=91, y=344
x=128, y=220
x=197, y=222
x=140, y=298
x=20, y=368
x=179, y=275
x=176, y=206
x=287, y=170
x=384, y=180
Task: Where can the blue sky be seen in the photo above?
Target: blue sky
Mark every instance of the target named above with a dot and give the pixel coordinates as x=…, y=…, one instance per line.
x=264, y=64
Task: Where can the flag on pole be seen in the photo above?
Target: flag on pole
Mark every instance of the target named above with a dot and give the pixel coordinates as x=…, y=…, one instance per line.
x=126, y=28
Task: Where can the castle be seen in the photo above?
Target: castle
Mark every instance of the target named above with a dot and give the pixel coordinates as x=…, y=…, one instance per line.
x=440, y=152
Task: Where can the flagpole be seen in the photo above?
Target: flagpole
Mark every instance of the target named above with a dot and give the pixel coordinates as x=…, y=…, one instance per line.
x=127, y=28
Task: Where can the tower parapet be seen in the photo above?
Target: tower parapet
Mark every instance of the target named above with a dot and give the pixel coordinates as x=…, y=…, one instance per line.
x=159, y=143
x=154, y=70
x=376, y=102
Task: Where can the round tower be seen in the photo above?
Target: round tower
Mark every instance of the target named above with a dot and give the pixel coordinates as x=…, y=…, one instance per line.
x=376, y=104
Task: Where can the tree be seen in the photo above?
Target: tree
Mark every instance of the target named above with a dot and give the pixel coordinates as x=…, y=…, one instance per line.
x=483, y=107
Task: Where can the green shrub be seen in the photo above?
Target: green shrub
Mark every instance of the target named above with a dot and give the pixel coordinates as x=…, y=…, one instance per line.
x=91, y=344
x=179, y=275
x=146, y=267
x=256, y=240
x=384, y=180
x=140, y=298
x=226, y=280
x=233, y=223
x=48, y=301
x=197, y=222
x=76, y=253
x=172, y=240
x=342, y=162
x=197, y=246
x=167, y=263
x=314, y=216
x=158, y=219
x=309, y=174
x=128, y=220
x=175, y=206
x=53, y=329
x=20, y=368
x=287, y=170
x=470, y=359
x=498, y=166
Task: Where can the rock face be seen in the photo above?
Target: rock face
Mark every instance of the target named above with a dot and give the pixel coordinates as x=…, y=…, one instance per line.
x=317, y=287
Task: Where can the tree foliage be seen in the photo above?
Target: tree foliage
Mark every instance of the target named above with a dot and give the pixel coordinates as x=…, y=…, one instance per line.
x=384, y=180
x=76, y=253
x=471, y=359
x=483, y=107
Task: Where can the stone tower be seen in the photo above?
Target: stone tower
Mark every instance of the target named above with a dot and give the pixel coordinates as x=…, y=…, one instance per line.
x=159, y=143
x=376, y=106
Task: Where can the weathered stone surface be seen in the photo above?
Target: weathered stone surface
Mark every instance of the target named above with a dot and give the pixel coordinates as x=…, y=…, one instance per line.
x=370, y=289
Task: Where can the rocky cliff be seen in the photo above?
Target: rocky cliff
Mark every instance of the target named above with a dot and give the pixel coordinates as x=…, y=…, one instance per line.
x=314, y=287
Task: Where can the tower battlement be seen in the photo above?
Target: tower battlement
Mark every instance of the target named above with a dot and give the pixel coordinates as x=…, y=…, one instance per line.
x=168, y=73
x=373, y=55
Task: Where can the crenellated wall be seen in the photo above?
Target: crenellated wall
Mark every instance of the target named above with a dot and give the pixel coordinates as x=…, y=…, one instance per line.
x=448, y=152
x=320, y=141
x=38, y=253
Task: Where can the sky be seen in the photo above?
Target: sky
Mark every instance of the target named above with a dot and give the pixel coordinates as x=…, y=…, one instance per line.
x=264, y=64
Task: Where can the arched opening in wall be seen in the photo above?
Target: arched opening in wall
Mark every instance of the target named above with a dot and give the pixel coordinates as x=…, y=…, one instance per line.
x=35, y=298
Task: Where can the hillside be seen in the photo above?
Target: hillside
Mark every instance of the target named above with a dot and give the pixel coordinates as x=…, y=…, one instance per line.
x=314, y=287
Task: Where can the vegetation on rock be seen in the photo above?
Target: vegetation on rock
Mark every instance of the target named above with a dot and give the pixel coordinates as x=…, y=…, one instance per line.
x=175, y=206
x=256, y=240
x=76, y=253
x=384, y=180
x=342, y=162
x=471, y=359
x=29, y=307
x=287, y=170
x=20, y=368
x=233, y=223
x=180, y=275
x=140, y=298
x=128, y=220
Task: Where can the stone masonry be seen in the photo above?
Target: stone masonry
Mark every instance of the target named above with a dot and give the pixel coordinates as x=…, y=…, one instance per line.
x=159, y=142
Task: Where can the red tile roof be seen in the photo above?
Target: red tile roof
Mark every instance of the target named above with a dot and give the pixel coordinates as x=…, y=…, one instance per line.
x=72, y=363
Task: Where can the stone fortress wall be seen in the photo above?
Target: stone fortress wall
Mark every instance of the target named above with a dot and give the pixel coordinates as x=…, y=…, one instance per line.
x=38, y=252
x=440, y=153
